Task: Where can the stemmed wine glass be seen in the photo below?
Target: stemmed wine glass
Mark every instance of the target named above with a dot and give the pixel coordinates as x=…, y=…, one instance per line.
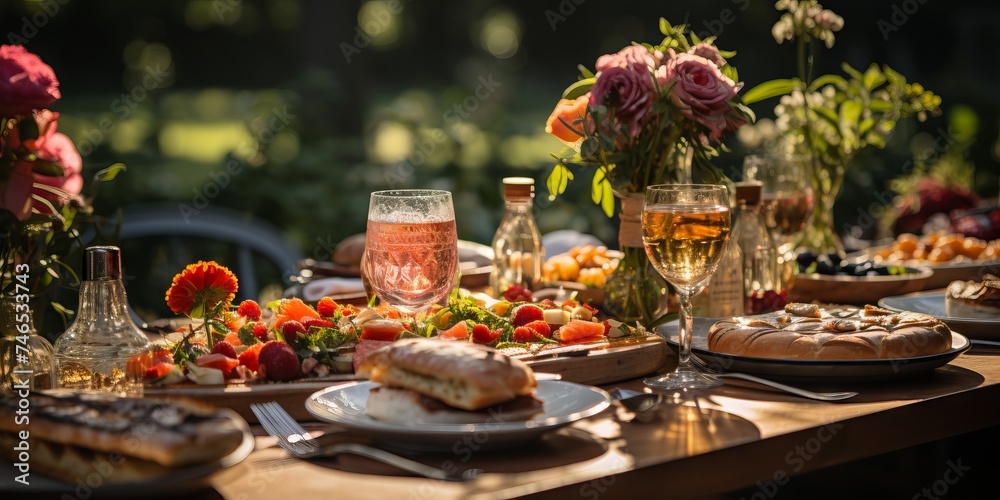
x=411, y=247
x=685, y=228
x=786, y=194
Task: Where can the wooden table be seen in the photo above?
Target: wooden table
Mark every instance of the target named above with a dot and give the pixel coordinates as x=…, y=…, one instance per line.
x=725, y=439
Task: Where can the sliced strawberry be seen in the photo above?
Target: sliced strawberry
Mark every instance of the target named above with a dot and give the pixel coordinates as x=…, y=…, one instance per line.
x=541, y=328
x=225, y=348
x=260, y=331
x=458, y=332
x=248, y=358
x=525, y=314
x=481, y=334
x=524, y=334
x=217, y=361
x=249, y=310
x=381, y=329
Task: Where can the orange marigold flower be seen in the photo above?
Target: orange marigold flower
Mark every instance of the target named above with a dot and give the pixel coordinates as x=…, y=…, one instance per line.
x=200, y=287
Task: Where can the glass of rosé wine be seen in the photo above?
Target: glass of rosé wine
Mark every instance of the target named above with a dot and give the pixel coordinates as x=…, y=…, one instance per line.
x=685, y=228
x=411, y=247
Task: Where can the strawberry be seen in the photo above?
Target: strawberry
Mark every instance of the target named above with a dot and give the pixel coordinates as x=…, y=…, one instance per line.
x=277, y=361
x=260, y=331
x=524, y=334
x=219, y=362
x=224, y=348
x=517, y=293
x=541, y=328
x=291, y=329
x=317, y=322
x=481, y=334
x=248, y=358
x=525, y=314
x=249, y=310
x=327, y=307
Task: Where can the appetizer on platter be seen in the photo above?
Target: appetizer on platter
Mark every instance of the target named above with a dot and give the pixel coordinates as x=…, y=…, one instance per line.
x=973, y=299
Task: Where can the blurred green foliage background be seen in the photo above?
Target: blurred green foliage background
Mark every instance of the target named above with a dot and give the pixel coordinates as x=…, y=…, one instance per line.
x=295, y=110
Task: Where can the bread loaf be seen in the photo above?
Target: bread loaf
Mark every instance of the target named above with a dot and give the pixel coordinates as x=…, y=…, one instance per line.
x=973, y=299
x=807, y=331
x=459, y=374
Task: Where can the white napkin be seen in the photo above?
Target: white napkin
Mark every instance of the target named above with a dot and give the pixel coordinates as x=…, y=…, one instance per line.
x=317, y=289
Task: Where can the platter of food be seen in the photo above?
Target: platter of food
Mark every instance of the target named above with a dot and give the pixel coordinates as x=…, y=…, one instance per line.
x=951, y=256
x=131, y=445
x=835, y=281
x=969, y=307
x=837, y=343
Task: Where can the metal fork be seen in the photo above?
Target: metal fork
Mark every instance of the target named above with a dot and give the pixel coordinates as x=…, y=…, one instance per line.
x=819, y=396
x=293, y=438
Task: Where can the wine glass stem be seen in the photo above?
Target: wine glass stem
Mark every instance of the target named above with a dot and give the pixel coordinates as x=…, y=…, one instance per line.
x=686, y=321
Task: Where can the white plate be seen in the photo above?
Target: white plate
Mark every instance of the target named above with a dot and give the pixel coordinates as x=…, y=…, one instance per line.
x=564, y=403
x=933, y=303
x=178, y=480
x=813, y=369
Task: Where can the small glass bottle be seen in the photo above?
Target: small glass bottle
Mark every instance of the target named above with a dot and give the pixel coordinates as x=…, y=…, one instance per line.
x=760, y=255
x=93, y=352
x=517, y=245
x=27, y=360
x=723, y=296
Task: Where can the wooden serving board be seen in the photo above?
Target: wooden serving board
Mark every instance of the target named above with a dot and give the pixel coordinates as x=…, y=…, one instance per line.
x=603, y=363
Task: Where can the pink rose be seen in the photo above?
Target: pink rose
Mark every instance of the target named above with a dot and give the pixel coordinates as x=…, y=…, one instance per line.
x=627, y=92
x=59, y=149
x=710, y=52
x=26, y=83
x=629, y=55
x=701, y=92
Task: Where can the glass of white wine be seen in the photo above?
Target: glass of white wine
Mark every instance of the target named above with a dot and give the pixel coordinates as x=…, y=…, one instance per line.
x=786, y=194
x=685, y=228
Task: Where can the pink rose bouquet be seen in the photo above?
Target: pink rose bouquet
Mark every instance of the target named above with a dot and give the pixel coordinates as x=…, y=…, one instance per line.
x=654, y=114
x=41, y=206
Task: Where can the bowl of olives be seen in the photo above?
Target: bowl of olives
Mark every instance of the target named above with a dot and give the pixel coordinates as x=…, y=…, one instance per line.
x=830, y=279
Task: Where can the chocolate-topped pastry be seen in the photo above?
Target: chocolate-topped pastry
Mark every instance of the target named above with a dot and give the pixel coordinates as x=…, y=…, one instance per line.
x=809, y=331
x=973, y=299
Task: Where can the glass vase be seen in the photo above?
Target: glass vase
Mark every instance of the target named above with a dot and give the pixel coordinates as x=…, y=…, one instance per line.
x=634, y=291
x=27, y=360
x=820, y=236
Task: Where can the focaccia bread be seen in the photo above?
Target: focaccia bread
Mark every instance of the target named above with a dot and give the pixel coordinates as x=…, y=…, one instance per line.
x=808, y=331
x=973, y=299
x=169, y=433
x=460, y=374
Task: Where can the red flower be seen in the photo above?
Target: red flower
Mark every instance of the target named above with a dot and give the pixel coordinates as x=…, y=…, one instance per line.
x=201, y=287
x=26, y=83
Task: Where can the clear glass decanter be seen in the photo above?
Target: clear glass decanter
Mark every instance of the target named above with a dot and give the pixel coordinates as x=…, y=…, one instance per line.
x=93, y=352
x=517, y=244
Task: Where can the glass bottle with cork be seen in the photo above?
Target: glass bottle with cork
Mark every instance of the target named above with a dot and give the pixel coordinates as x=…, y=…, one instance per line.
x=93, y=352
x=517, y=244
